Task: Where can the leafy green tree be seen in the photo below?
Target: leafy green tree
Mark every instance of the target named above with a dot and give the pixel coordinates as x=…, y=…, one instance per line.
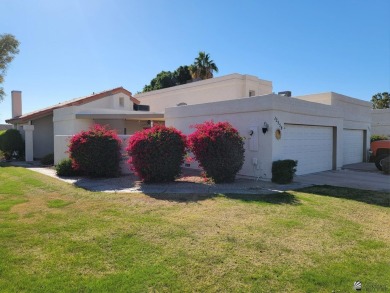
x=203, y=66
x=162, y=80
x=8, y=49
x=381, y=101
x=182, y=74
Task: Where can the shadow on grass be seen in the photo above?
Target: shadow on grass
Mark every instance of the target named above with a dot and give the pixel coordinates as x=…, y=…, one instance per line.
x=276, y=198
x=367, y=196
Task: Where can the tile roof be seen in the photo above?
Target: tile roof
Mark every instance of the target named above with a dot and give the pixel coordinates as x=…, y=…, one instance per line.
x=75, y=102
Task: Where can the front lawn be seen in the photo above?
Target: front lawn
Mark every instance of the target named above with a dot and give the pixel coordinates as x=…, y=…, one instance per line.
x=59, y=238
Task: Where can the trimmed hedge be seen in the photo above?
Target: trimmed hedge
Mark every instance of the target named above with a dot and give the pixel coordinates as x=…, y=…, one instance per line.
x=219, y=149
x=156, y=154
x=65, y=168
x=11, y=140
x=283, y=171
x=96, y=152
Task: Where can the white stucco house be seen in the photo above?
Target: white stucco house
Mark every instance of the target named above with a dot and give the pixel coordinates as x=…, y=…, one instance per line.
x=322, y=131
x=47, y=130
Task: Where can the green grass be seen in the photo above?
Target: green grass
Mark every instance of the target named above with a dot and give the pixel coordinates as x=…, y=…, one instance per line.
x=55, y=237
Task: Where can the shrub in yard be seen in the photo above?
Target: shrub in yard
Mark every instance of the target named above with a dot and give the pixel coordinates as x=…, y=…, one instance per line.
x=96, y=152
x=2, y=157
x=48, y=159
x=11, y=140
x=219, y=149
x=283, y=171
x=65, y=168
x=377, y=137
x=156, y=154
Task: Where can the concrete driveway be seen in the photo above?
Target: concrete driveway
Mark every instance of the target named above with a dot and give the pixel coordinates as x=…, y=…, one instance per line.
x=360, y=176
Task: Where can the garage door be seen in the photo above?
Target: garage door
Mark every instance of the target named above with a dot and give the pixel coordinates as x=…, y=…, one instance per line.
x=312, y=146
x=353, y=146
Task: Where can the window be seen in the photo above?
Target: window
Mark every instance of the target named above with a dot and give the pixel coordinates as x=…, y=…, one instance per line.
x=121, y=102
x=252, y=93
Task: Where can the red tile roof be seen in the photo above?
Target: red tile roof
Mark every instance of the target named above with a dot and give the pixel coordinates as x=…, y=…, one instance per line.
x=76, y=102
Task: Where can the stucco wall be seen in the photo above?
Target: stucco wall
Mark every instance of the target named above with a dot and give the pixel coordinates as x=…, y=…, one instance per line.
x=43, y=138
x=233, y=86
x=356, y=113
x=110, y=102
x=380, y=121
x=131, y=126
x=61, y=148
x=251, y=113
x=65, y=121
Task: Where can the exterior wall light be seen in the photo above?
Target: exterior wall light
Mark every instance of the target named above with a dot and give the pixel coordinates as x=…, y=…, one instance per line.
x=265, y=127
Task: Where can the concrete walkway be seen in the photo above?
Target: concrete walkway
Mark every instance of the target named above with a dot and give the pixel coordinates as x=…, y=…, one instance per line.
x=131, y=184
x=360, y=176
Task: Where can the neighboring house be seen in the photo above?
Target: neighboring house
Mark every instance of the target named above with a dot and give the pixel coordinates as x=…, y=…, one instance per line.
x=5, y=126
x=321, y=131
x=380, y=122
x=228, y=87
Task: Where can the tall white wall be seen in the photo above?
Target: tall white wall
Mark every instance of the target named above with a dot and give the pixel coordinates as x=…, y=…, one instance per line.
x=65, y=122
x=380, y=122
x=228, y=87
x=43, y=136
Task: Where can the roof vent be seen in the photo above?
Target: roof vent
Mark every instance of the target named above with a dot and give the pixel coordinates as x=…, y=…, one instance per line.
x=285, y=93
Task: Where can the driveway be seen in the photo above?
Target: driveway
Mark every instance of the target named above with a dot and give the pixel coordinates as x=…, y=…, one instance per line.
x=360, y=176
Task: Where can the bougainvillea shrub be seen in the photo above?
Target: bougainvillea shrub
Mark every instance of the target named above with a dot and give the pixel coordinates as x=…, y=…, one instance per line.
x=96, y=152
x=219, y=149
x=156, y=154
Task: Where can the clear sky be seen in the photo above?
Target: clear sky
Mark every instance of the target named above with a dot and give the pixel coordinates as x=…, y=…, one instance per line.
x=71, y=48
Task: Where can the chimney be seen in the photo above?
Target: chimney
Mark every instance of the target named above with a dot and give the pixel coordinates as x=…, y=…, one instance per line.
x=16, y=103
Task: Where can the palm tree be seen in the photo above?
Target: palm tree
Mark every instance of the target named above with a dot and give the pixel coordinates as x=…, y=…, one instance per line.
x=203, y=66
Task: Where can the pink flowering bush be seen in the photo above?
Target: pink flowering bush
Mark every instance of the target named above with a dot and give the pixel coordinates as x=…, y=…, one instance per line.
x=219, y=149
x=96, y=152
x=156, y=154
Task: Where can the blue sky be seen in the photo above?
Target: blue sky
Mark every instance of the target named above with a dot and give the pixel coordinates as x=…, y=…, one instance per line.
x=71, y=48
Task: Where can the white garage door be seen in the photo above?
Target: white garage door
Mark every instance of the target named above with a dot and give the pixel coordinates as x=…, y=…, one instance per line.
x=353, y=146
x=312, y=146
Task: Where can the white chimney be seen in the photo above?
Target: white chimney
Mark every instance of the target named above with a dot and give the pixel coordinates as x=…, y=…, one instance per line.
x=16, y=103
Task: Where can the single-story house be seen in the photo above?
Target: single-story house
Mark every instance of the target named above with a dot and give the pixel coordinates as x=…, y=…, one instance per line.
x=321, y=131
x=46, y=130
